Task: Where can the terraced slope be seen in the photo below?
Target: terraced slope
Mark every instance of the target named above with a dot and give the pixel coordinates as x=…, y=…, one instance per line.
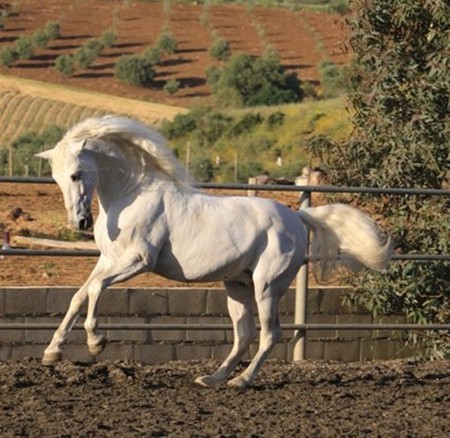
x=30, y=105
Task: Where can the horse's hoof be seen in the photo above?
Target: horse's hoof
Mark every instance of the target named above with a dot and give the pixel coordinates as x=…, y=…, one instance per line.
x=239, y=382
x=208, y=381
x=51, y=358
x=97, y=347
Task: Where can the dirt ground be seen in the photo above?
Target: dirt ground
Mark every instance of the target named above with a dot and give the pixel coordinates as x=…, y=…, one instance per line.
x=302, y=39
x=311, y=399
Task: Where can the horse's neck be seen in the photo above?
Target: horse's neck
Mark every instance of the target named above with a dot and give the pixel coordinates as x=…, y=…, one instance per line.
x=122, y=175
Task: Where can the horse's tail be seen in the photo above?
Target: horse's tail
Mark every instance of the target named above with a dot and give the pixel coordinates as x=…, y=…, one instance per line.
x=343, y=233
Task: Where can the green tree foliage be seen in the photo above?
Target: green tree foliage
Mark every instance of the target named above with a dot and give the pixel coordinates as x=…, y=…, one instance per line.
x=220, y=49
x=3, y=15
x=108, y=38
x=247, y=80
x=53, y=29
x=7, y=56
x=65, y=64
x=41, y=39
x=333, y=79
x=23, y=46
x=202, y=169
x=152, y=55
x=166, y=43
x=172, y=86
x=238, y=144
x=86, y=55
x=134, y=70
x=25, y=147
x=401, y=139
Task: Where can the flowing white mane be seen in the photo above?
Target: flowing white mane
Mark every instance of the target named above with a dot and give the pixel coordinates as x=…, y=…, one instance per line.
x=122, y=130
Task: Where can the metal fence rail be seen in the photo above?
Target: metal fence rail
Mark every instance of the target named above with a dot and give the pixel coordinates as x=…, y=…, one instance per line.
x=300, y=328
x=187, y=326
x=272, y=187
x=96, y=253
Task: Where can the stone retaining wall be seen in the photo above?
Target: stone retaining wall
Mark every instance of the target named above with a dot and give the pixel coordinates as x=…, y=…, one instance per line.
x=39, y=305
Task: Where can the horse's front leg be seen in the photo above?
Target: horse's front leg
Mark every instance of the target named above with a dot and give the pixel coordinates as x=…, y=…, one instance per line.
x=126, y=267
x=53, y=352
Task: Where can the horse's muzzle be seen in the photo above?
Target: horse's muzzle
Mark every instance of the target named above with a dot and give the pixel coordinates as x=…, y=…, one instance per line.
x=85, y=223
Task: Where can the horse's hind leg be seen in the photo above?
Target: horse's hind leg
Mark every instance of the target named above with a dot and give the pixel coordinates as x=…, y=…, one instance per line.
x=267, y=299
x=240, y=308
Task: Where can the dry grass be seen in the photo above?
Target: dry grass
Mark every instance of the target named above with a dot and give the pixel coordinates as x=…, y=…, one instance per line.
x=31, y=105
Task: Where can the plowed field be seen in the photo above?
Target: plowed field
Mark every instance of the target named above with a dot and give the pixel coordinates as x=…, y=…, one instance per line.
x=303, y=39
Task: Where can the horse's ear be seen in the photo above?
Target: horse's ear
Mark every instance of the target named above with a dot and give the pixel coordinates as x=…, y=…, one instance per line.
x=46, y=155
x=78, y=146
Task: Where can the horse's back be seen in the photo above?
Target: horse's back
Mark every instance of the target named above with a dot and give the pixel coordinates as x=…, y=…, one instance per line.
x=220, y=237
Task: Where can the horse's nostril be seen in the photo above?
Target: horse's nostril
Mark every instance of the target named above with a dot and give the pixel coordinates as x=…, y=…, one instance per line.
x=85, y=223
x=82, y=224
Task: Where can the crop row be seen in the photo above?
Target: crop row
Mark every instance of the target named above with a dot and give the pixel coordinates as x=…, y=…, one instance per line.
x=23, y=113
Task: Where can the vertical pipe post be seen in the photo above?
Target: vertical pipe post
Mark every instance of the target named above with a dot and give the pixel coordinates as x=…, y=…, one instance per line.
x=301, y=289
x=6, y=243
x=188, y=156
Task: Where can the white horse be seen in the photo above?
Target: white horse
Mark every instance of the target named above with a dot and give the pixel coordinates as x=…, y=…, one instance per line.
x=151, y=218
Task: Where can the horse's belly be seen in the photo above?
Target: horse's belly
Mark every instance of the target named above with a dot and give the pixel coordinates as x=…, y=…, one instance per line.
x=198, y=266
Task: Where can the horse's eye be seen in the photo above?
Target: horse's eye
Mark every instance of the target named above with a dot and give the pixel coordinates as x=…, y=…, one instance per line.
x=75, y=176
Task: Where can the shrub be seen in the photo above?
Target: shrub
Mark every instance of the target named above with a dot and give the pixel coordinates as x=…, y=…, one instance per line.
x=171, y=86
x=108, y=38
x=333, y=79
x=247, y=123
x=152, y=55
x=25, y=147
x=94, y=44
x=2, y=22
x=65, y=65
x=220, y=50
x=254, y=81
x=41, y=39
x=23, y=46
x=212, y=74
x=86, y=55
x=275, y=119
x=211, y=126
x=248, y=169
x=167, y=43
x=7, y=56
x=202, y=169
x=134, y=70
x=181, y=125
x=340, y=6
x=52, y=29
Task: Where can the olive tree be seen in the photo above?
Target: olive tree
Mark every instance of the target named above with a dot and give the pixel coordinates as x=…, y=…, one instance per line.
x=401, y=139
x=247, y=80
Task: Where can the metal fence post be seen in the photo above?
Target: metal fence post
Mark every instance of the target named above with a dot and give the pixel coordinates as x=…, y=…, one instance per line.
x=301, y=289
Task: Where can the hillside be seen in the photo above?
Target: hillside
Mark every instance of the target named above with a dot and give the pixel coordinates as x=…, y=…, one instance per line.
x=302, y=38
x=31, y=105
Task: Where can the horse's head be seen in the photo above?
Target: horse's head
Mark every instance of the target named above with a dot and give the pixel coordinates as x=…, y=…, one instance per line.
x=75, y=171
